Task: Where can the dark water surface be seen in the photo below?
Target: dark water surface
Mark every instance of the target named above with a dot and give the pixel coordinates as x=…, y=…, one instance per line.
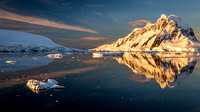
x=133, y=82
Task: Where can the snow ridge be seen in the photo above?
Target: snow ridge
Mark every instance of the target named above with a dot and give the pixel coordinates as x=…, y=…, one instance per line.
x=167, y=34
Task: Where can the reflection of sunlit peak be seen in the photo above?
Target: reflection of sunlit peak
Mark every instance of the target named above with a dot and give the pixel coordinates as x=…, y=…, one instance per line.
x=165, y=69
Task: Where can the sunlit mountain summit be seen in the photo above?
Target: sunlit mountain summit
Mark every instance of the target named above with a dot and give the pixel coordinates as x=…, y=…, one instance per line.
x=166, y=34
x=167, y=70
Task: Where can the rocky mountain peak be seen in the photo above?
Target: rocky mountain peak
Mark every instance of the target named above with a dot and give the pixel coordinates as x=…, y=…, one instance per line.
x=167, y=34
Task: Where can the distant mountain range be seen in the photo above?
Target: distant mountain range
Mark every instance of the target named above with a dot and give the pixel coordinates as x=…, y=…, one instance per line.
x=167, y=34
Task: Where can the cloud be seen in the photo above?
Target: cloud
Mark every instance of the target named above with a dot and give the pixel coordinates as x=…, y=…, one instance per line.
x=97, y=13
x=140, y=22
x=94, y=38
x=40, y=21
x=197, y=34
x=94, y=5
x=117, y=20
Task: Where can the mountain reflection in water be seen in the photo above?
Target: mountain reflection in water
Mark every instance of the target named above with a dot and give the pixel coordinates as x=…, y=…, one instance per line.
x=167, y=70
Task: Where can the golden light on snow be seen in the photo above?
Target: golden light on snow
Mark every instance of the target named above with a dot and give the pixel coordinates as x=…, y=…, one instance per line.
x=11, y=62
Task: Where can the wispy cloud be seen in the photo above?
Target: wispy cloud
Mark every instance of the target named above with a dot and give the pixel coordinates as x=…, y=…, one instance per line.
x=97, y=13
x=197, y=34
x=140, y=22
x=94, y=5
x=40, y=21
x=94, y=38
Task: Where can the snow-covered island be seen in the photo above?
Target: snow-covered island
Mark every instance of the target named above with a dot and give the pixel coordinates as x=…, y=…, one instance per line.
x=15, y=41
x=169, y=34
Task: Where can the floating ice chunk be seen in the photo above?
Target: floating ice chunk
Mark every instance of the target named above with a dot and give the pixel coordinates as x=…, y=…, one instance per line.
x=107, y=54
x=55, y=56
x=57, y=87
x=36, y=85
x=11, y=62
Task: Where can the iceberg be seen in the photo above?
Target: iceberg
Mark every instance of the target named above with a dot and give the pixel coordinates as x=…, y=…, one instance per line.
x=36, y=85
x=11, y=61
x=107, y=54
x=57, y=56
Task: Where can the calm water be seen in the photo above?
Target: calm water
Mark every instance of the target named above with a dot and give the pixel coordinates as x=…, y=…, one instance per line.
x=133, y=82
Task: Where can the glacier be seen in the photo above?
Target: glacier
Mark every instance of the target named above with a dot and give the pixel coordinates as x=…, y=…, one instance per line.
x=15, y=41
x=168, y=34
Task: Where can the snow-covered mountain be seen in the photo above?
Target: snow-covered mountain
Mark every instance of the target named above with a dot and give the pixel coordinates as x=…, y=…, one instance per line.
x=167, y=34
x=165, y=69
x=15, y=41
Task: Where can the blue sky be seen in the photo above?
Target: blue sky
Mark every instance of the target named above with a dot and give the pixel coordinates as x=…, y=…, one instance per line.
x=90, y=23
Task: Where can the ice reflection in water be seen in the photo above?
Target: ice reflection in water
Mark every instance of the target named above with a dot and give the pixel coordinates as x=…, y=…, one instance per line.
x=167, y=69
x=16, y=62
x=37, y=66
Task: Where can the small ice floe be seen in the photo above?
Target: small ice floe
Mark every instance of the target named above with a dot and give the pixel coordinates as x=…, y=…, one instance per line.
x=107, y=54
x=55, y=56
x=11, y=61
x=36, y=85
